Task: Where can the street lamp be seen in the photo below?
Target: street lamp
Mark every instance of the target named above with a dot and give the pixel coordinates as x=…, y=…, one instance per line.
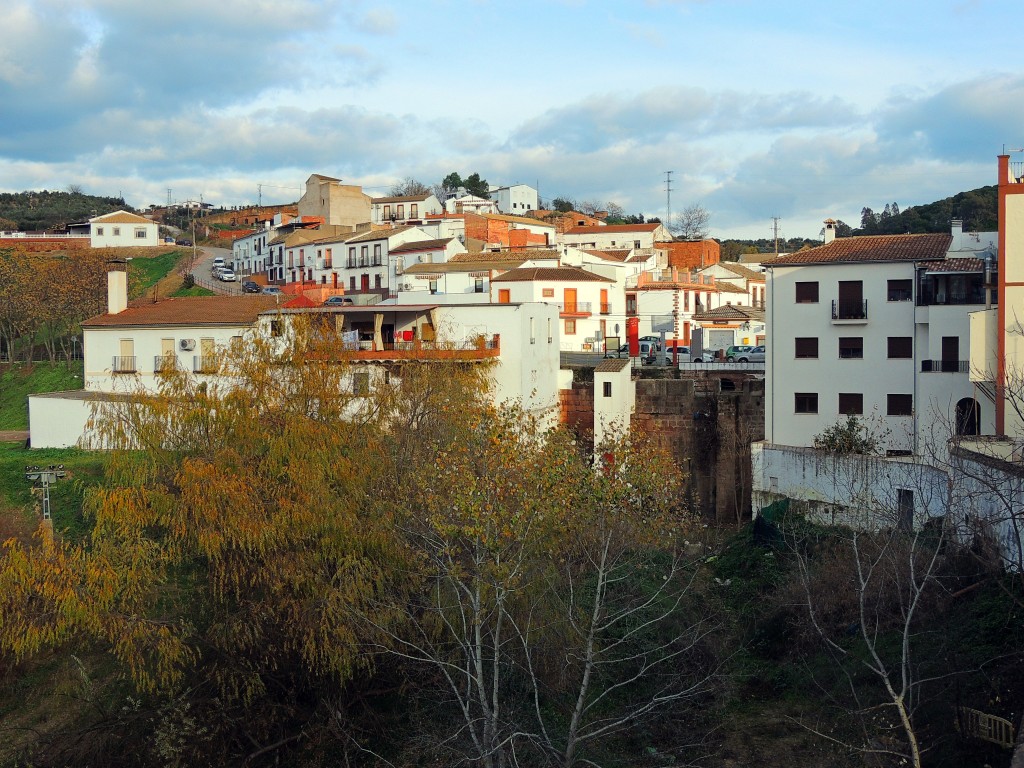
x=47, y=476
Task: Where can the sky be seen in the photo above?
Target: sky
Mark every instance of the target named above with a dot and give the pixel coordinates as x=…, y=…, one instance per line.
x=802, y=110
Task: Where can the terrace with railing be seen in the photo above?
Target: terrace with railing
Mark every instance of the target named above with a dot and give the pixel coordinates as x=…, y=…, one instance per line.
x=480, y=348
x=670, y=278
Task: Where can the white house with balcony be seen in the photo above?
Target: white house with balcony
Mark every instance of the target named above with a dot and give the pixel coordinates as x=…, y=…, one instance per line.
x=583, y=300
x=881, y=328
x=121, y=229
x=515, y=199
x=398, y=210
x=132, y=346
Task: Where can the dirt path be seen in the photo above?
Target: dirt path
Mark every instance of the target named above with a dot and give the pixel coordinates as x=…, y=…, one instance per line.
x=13, y=436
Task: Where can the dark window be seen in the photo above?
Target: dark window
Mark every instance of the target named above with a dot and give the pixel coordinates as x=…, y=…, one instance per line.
x=851, y=403
x=275, y=328
x=806, y=402
x=900, y=290
x=807, y=293
x=607, y=389
x=901, y=347
x=806, y=346
x=478, y=285
x=899, y=405
x=851, y=347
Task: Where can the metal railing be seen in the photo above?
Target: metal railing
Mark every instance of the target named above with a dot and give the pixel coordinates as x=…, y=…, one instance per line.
x=165, y=363
x=606, y=308
x=123, y=364
x=850, y=310
x=205, y=364
x=945, y=366
x=932, y=298
x=574, y=307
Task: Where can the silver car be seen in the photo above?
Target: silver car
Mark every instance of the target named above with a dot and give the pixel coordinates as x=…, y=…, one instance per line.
x=755, y=355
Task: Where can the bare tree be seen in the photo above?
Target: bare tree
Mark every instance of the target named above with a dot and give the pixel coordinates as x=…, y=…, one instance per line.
x=408, y=186
x=691, y=223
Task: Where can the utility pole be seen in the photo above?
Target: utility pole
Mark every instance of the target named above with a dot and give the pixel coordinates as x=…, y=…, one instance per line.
x=168, y=197
x=775, y=233
x=668, y=197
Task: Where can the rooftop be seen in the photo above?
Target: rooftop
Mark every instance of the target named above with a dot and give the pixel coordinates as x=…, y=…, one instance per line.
x=187, y=311
x=871, y=248
x=560, y=274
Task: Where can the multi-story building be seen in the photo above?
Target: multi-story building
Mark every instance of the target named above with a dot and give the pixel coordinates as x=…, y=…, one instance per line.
x=121, y=229
x=332, y=202
x=616, y=236
x=403, y=210
x=875, y=327
x=515, y=199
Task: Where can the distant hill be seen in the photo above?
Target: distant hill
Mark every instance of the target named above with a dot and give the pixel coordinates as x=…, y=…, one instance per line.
x=45, y=211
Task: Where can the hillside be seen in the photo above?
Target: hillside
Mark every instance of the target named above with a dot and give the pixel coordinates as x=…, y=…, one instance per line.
x=43, y=211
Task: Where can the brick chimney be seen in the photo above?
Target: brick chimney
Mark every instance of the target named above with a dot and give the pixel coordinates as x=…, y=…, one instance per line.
x=830, y=230
x=117, y=287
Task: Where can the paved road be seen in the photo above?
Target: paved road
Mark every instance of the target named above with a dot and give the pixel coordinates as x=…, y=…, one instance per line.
x=201, y=271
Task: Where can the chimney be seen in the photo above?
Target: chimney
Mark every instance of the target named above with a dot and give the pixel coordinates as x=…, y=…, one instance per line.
x=958, y=231
x=830, y=230
x=117, y=288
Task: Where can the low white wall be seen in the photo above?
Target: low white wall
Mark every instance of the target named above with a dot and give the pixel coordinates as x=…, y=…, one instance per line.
x=56, y=421
x=612, y=412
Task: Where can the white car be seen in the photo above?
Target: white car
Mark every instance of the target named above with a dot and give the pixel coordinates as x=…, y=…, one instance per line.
x=228, y=276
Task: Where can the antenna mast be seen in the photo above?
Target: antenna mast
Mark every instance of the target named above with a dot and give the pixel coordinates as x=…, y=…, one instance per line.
x=668, y=197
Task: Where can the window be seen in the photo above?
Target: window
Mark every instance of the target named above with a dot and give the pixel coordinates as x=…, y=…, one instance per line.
x=328, y=260
x=376, y=281
x=99, y=231
x=851, y=403
x=805, y=402
x=361, y=384
x=607, y=389
x=631, y=304
x=140, y=233
x=352, y=257
x=899, y=405
x=364, y=255
x=401, y=211
x=275, y=328
x=901, y=347
x=117, y=231
x=376, y=255
x=686, y=301
x=433, y=286
x=570, y=327
x=851, y=347
x=478, y=285
x=900, y=290
x=806, y=346
x=548, y=293
x=414, y=210
x=352, y=283
x=807, y=293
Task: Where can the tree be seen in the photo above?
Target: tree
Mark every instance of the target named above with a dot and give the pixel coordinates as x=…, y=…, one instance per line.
x=477, y=186
x=408, y=186
x=691, y=223
x=539, y=616
x=241, y=540
x=563, y=204
x=850, y=436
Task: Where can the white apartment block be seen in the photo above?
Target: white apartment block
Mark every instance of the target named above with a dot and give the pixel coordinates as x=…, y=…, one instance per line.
x=515, y=199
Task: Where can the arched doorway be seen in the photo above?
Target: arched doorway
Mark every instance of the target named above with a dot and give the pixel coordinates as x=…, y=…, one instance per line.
x=968, y=416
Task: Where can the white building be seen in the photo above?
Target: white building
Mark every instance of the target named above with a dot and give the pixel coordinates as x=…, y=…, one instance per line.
x=583, y=300
x=515, y=199
x=404, y=209
x=121, y=229
x=470, y=204
x=131, y=347
x=612, y=236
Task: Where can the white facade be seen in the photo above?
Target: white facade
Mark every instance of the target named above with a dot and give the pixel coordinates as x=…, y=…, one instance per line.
x=616, y=236
x=404, y=209
x=122, y=230
x=470, y=204
x=515, y=199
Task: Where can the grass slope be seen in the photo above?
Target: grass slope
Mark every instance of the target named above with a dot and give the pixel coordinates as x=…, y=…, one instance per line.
x=17, y=382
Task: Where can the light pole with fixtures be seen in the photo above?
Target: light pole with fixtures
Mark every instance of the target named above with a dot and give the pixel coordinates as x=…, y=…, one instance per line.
x=47, y=476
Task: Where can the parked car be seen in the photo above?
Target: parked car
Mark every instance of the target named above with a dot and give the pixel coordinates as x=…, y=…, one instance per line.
x=248, y=286
x=337, y=301
x=655, y=340
x=732, y=353
x=647, y=352
x=679, y=353
x=755, y=355
x=228, y=276
x=271, y=290
x=186, y=243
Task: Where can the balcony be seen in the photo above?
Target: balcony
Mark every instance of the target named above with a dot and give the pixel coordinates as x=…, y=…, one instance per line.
x=124, y=364
x=205, y=364
x=165, y=363
x=945, y=366
x=472, y=350
x=928, y=297
x=856, y=311
x=606, y=308
x=574, y=309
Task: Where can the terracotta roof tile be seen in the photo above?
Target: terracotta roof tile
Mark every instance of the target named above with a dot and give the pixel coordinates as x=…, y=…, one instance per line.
x=530, y=221
x=562, y=274
x=378, y=234
x=612, y=365
x=422, y=245
x=516, y=257
x=745, y=272
x=120, y=217
x=402, y=198
x=954, y=265
x=868, y=248
x=187, y=311
x=612, y=229
x=731, y=312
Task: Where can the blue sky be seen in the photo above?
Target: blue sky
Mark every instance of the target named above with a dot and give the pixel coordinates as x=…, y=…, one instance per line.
x=801, y=110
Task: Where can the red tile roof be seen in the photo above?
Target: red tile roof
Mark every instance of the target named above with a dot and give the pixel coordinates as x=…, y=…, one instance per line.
x=187, y=311
x=954, y=265
x=612, y=229
x=868, y=248
x=422, y=245
x=402, y=198
x=562, y=274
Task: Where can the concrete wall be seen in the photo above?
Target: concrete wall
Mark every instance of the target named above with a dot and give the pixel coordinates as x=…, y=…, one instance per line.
x=56, y=422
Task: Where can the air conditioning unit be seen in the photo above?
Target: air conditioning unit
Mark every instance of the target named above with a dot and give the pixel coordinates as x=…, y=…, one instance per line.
x=399, y=265
x=406, y=286
x=187, y=345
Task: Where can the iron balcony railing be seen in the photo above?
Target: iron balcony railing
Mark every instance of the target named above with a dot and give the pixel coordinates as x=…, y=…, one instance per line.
x=850, y=310
x=606, y=308
x=945, y=366
x=205, y=364
x=165, y=363
x=124, y=364
x=574, y=307
x=929, y=297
